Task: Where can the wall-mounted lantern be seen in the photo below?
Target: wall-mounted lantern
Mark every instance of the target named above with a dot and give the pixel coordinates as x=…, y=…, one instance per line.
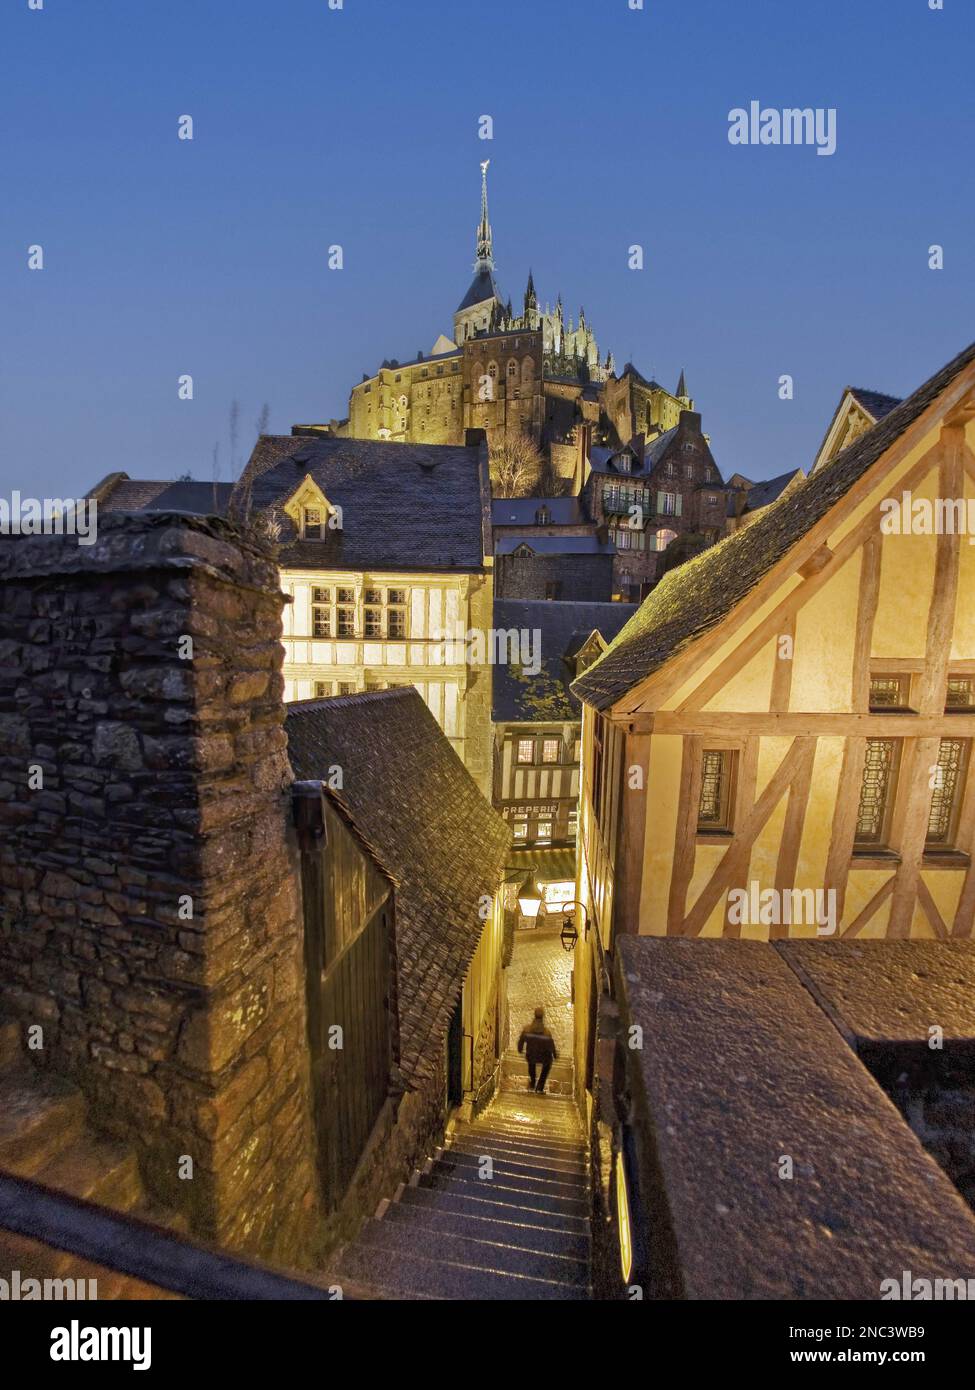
x=569, y=934
x=529, y=898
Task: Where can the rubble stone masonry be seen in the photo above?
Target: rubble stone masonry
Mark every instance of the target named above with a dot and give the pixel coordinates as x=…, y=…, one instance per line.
x=150, y=918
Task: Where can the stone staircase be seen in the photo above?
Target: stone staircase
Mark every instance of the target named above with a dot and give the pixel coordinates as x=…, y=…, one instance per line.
x=460, y=1229
x=514, y=1074
x=45, y=1135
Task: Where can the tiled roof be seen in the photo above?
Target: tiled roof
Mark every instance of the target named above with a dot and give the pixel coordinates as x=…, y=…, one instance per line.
x=404, y=506
x=414, y=803
x=693, y=598
x=125, y=494
x=563, y=628
x=520, y=511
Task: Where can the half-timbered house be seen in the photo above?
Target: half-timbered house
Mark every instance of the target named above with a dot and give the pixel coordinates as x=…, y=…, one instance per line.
x=779, y=742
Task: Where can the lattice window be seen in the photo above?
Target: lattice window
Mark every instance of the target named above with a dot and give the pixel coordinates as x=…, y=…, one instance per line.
x=961, y=692
x=946, y=796
x=321, y=613
x=717, y=777
x=345, y=621
x=526, y=750
x=322, y=689
x=550, y=749
x=313, y=525
x=890, y=692
x=877, y=791
x=372, y=618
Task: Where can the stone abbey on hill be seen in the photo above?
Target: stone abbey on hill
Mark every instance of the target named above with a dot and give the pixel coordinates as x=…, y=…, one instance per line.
x=536, y=372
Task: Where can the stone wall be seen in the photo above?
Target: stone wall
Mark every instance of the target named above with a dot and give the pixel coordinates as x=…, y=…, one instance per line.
x=582, y=578
x=150, y=914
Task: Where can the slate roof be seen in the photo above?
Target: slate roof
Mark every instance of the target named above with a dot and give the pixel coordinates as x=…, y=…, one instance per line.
x=762, y=494
x=564, y=628
x=555, y=545
x=520, y=511
x=482, y=288
x=414, y=803
x=120, y=493
x=876, y=403
x=692, y=599
x=600, y=457
x=404, y=506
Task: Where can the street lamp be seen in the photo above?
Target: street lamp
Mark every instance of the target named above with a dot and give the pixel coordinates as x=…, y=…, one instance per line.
x=529, y=898
x=569, y=934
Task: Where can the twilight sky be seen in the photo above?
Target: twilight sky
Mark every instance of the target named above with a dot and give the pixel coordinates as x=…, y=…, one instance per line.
x=359, y=126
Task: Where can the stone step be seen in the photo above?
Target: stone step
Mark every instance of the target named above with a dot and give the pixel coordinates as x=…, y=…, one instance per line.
x=11, y=1045
x=555, y=1112
x=505, y=1193
x=40, y=1114
x=509, y=1151
x=527, y=1134
x=467, y=1249
x=98, y=1170
x=530, y=1177
x=503, y=1230
x=394, y=1270
x=461, y=1200
x=562, y=1067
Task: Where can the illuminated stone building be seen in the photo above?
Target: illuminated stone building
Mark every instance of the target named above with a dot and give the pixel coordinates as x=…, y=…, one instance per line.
x=528, y=369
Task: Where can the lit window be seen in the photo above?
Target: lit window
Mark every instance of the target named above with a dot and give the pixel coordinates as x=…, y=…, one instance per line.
x=520, y=828
x=544, y=830
x=550, y=750
x=890, y=693
x=573, y=824
x=717, y=783
x=877, y=793
x=946, y=798
x=663, y=539
x=322, y=689
x=526, y=750
x=312, y=524
x=961, y=692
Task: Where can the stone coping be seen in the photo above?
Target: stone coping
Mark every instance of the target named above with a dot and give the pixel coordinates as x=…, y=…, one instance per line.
x=739, y=1068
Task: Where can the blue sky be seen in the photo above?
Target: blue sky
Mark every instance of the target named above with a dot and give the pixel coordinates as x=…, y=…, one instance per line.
x=314, y=126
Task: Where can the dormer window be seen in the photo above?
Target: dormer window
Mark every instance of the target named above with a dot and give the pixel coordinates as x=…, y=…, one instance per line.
x=312, y=524
x=543, y=516
x=623, y=463
x=524, y=551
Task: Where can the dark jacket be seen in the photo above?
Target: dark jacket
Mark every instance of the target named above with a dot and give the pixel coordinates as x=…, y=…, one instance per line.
x=537, y=1044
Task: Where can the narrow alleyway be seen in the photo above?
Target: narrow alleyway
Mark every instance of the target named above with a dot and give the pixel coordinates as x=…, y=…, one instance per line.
x=540, y=973
x=502, y=1211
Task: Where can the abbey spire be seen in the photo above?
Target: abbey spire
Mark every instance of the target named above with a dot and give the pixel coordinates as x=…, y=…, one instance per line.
x=485, y=248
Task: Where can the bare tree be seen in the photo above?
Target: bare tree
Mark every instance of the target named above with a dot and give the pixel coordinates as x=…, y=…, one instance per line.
x=234, y=435
x=263, y=419
x=215, y=474
x=516, y=466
